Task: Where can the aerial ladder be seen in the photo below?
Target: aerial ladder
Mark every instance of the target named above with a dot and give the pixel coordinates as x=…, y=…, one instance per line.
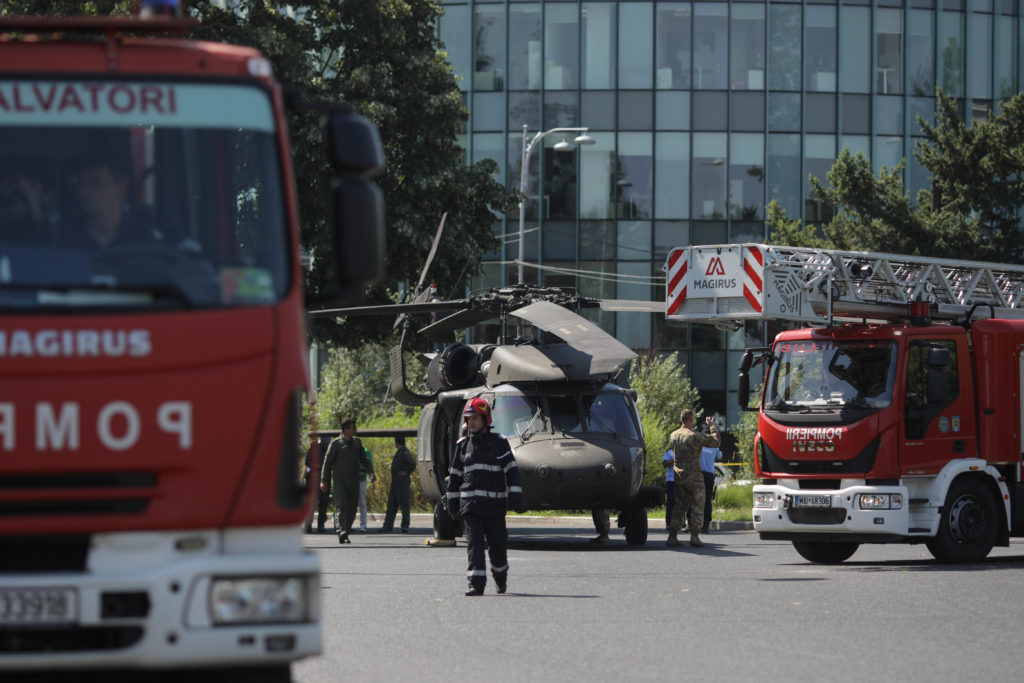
x=728, y=284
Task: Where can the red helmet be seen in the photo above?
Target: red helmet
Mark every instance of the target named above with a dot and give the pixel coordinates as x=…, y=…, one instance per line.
x=478, y=406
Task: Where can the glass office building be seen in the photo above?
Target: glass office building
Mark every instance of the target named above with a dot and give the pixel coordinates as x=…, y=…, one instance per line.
x=701, y=113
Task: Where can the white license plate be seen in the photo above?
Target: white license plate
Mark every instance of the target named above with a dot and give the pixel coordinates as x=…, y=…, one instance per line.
x=19, y=606
x=812, y=501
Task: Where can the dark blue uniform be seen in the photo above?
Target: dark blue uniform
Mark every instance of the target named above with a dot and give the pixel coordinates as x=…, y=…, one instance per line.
x=482, y=484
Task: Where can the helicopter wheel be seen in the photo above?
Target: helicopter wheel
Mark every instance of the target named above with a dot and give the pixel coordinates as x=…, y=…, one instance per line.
x=636, y=526
x=445, y=528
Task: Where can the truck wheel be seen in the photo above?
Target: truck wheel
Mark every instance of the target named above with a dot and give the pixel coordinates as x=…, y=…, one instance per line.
x=444, y=525
x=967, y=527
x=825, y=552
x=636, y=526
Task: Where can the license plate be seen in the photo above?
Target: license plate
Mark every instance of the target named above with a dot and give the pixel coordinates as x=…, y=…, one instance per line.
x=19, y=606
x=812, y=501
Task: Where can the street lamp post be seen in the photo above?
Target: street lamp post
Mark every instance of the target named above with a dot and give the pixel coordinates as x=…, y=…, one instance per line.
x=581, y=139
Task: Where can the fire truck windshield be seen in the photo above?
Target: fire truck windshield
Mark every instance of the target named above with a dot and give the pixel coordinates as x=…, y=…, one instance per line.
x=139, y=194
x=828, y=376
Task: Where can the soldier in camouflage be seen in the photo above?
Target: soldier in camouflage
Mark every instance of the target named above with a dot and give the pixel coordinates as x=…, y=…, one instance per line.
x=686, y=444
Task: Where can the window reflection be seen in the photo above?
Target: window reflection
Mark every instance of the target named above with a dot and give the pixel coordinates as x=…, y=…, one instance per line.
x=783, y=178
x=709, y=151
x=561, y=47
x=512, y=415
x=710, y=45
x=636, y=23
x=608, y=412
x=920, y=73
x=598, y=35
x=747, y=47
x=889, y=57
x=981, y=65
x=455, y=35
x=597, y=167
x=855, y=61
x=784, y=47
x=746, y=177
x=672, y=47
x=819, y=155
x=633, y=175
x=489, y=58
x=951, y=58
x=672, y=175
x=820, y=48
x=524, y=47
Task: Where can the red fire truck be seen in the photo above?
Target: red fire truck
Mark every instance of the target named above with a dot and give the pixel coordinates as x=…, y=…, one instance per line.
x=896, y=417
x=153, y=348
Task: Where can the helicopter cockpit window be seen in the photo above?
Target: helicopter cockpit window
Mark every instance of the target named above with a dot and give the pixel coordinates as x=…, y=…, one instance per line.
x=565, y=415
x=513, y=415
x=608, y=412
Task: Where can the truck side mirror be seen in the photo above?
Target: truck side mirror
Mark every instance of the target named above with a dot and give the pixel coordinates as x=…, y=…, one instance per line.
x=356, y=152
x=743, y=387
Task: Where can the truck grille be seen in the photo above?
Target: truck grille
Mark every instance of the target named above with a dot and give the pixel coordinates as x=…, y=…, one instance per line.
x=68, y=639
x=817, y=515
x=862, y=463
x=43, y=553
x=120, y=493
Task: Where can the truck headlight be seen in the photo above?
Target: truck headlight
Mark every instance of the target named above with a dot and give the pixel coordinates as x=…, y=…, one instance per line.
x=881, y=501
x=764, y=500
x=259, y=600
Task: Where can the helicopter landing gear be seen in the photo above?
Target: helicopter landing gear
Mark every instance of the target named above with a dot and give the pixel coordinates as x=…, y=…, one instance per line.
x=634, y=521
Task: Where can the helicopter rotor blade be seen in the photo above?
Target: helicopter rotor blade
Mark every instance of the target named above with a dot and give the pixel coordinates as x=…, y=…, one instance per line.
x=629, y=305
x=433, y=250
x=456, y=321
x=607, y=353
x=385, y=309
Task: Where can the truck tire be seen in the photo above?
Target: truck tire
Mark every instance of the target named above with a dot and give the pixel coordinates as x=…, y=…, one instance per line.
x=967, y=526
x=825, y=552
x=445, y=527
x=636, y=526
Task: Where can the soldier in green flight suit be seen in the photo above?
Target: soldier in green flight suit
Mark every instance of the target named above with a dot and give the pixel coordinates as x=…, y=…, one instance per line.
x=403, y=464
x=346, y=459
x=686, y=444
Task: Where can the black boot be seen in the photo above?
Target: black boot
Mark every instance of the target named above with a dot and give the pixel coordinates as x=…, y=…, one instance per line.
x=474, y=591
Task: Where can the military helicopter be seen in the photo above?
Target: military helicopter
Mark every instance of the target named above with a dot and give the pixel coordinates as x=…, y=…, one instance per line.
x=575, y=434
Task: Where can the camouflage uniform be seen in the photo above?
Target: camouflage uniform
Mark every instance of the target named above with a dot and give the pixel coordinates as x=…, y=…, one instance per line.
x=686, y=446
x=345, y=460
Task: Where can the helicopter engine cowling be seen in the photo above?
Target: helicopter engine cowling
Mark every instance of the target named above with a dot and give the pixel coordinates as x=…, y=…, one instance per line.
x=457, y=367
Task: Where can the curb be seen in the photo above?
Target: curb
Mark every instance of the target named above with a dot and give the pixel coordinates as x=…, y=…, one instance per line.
x=573, y=521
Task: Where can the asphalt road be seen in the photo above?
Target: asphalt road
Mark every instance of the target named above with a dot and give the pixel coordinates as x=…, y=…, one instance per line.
x=738, y=610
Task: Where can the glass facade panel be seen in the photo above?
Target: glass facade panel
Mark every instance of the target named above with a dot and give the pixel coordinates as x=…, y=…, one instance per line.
x=746, y=40
x=1006, y=51
x=672, y=175
x=673, y=22
x=710, y=110
x=636, y=24
x=709, y=167
x=598, y=36
x=710, y=232
x=454, y=30
x=889, y=56
x=560, y=110
x=889, y=115
x=951, y=57
x=634, y=181
x=710, y=45
x=783, y=111
x=856, y=114
x=746, y=176
x=634, y=329
x=634, y=241
x=854, y=55
x=819, y=155
x=524, y=47
x=746, y=111
x=491, y=146
x=559, y=243
x=488, y=111
x=523, y=108
x=921, y=46
x=636, y=110
x=597, y=172
x=672, y=110
x=489, y=56
x=784, y=48
x=598, y=109
x=559, y=184
x=981, y=57
x=667, y=236
x=783, y=172
x=856, y=144
x=597, y=241
x=561, y=46
x=820, y=48
x=887, y=153
x=821, y=113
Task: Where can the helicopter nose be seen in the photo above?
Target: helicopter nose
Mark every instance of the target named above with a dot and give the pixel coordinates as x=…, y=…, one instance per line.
x=610, y=469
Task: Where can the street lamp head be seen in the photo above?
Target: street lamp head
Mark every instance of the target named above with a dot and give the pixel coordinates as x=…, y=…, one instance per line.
x=564, y=146
x=584, y=139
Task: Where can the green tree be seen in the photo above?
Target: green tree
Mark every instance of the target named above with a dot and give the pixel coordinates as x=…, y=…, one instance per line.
x=354, y=382
x=663, y=389
x=971, y=212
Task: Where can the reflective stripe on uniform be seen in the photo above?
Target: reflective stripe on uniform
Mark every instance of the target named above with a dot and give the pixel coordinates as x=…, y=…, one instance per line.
x=482, y=494
x=515, y=489
x=487, y=468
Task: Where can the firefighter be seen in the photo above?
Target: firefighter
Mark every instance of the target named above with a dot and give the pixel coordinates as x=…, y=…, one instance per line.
x=345, y=460
x=482, y=483
x=686, y=446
